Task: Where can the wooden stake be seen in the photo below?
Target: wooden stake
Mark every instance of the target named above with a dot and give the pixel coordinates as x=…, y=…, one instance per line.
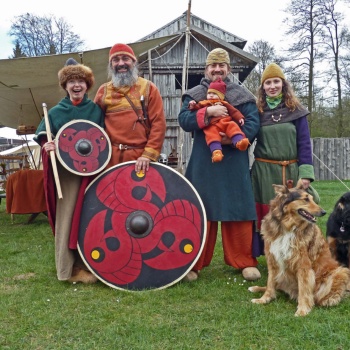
x=181, y=137
x=52, y=154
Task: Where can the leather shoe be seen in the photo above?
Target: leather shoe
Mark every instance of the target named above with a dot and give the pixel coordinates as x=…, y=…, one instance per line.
x=80, y=275
x=251, y=274
x=191, y=276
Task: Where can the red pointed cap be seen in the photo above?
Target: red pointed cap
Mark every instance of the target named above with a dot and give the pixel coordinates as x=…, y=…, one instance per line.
x=121, y=49
x=218, y=87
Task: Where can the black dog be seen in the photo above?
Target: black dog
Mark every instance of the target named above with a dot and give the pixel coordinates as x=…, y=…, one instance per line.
x=338, y=230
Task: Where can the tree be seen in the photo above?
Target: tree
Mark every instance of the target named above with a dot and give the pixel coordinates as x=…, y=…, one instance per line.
x=305, y=26
x=266, y=53
x=39, y=36
x=17, y=51
x=335, y=37
x=345, y=69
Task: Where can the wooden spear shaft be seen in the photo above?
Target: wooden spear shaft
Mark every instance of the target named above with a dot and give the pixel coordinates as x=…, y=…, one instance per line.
x=52, y=154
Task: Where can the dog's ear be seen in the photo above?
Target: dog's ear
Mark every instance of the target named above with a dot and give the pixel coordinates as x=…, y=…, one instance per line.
x=280, y=189
x=341, y=203
x=345, y=198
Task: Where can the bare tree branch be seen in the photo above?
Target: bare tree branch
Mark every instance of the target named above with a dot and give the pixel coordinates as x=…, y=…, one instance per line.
x=46, y=35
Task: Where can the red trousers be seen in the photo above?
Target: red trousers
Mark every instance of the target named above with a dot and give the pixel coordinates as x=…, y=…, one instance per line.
x=236, y=242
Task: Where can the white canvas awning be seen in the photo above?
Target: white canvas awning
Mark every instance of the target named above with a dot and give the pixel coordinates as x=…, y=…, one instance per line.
x=10, y=134
x=27, y=83
x=31, y=149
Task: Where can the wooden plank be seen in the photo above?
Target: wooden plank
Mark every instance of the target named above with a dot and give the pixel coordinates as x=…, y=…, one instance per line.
x=331, y=158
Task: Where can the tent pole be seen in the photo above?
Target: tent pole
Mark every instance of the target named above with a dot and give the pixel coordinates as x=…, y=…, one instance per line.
x=184, y=86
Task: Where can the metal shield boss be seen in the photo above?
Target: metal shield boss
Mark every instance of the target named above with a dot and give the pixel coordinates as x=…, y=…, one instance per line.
x=83, y=147
x=141, y=231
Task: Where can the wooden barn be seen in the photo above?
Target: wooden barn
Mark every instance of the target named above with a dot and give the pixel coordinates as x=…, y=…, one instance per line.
x=178, y=64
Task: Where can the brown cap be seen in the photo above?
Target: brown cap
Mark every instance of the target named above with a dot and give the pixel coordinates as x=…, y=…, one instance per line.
x=273, y=70
x=217, y=55
x=74, y=70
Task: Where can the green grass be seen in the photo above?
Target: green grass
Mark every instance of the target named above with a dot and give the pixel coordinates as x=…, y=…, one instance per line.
x=39, y=312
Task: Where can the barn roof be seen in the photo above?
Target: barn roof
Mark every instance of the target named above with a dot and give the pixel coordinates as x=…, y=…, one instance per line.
x=209, y=36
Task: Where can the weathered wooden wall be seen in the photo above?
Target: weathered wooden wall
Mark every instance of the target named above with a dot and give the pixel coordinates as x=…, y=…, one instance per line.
x=331, y=158
x=176, y=141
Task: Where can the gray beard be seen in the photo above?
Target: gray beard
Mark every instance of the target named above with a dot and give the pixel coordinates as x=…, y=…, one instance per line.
x=128, y=78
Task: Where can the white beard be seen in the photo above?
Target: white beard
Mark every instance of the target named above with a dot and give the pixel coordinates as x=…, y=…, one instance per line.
x=128, y=78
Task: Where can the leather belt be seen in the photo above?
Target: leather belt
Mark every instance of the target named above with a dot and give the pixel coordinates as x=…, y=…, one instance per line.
x=126, y=147
x=283, y=163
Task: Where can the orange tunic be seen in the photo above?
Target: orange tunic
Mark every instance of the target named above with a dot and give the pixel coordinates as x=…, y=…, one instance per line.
x=125, y=128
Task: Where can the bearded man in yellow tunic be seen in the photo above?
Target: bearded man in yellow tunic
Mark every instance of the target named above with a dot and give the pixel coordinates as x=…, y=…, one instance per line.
x=134, y=113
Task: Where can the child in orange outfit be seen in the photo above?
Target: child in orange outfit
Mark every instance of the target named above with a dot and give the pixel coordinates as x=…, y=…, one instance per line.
x=227, y=124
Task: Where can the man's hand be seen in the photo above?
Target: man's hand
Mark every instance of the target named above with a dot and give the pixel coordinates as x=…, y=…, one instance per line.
x=191, y=105
x=306, y=183
x=142, y=164
x=217, y=111
x=225, y=140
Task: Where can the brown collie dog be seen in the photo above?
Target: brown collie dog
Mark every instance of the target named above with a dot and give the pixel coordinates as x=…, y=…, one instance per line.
x=299, y=260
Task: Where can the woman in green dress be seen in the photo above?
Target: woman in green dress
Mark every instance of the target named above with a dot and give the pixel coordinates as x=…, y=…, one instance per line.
x=283, y=151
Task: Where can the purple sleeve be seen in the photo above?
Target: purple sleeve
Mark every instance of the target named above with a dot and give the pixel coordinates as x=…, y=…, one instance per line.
x=303, y=141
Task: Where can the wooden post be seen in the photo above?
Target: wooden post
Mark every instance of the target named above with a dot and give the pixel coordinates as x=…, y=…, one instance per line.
x=187, y=43
x=150, y=65
x=184, y=87
x=52, y=154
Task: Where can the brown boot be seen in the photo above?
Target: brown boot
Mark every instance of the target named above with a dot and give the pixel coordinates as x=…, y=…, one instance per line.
x=217, y=156
x=243, y=144
x=191, y=276
x=80, y=275
x=251, y=274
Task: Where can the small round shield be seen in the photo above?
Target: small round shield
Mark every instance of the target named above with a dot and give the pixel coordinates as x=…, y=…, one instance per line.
x=83, y=147
x=141, y=231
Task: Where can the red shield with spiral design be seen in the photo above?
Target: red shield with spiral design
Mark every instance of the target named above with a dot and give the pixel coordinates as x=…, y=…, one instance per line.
x=83, y=147
x=141, y=231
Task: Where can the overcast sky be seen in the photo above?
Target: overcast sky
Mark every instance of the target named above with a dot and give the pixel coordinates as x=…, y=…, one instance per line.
x=102, y=24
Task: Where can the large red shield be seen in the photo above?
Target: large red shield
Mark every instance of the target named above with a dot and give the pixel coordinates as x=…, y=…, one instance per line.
x=141, y=231
x=83, y=147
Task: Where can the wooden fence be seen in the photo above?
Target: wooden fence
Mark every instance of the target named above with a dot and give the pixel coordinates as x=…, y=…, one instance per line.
x=331, y=158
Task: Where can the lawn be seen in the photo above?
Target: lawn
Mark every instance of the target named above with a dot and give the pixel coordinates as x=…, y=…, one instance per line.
x=214, y=312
